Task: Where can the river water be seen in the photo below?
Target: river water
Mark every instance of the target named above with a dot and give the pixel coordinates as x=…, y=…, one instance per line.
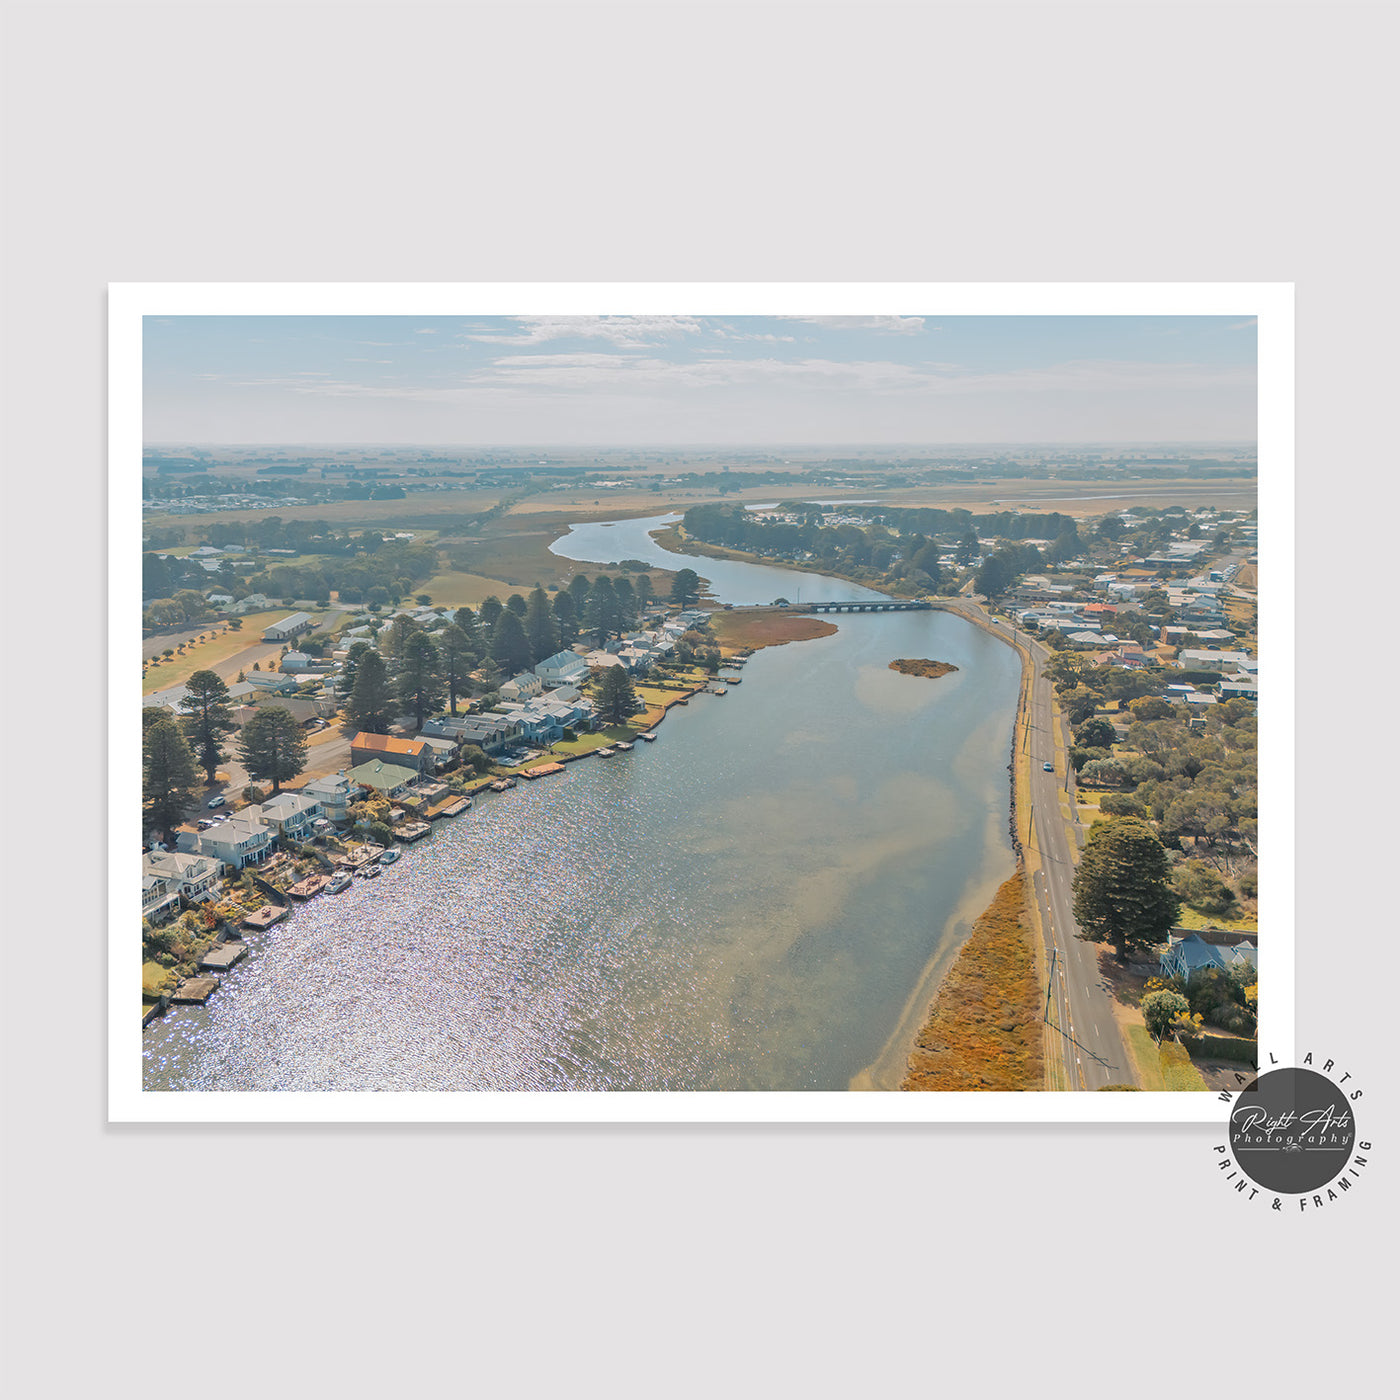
x=759, y=900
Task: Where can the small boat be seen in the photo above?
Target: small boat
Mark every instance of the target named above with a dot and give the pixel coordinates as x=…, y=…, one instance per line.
x=369, y=872
x=337, y=883
x=649, y=737
x=625, y=747
x=389, y=856
x=605, y=753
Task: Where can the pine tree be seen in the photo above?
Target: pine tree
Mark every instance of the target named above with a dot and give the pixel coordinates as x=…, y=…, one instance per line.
x=540, y=626
x=467, y=620
x=1122, y=889
x=459, y=658
x=371, y=703
x=510, y=647
x=617, y=697
x=566, y=617
x=626, y=604
x=600, y=617
x=207, y=719
x=420, y=683
x=169, y=777
x=345, y=685
x=272, y=745
x=489, y=612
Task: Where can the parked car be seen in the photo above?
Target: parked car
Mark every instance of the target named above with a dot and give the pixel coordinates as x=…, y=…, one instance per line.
x=1048, y=767
x=214, y=802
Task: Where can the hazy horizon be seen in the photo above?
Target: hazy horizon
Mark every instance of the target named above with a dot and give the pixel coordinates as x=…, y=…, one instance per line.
x=759, y=382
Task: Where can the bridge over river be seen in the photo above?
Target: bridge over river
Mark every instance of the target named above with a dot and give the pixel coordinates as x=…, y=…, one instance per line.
x=865, y=605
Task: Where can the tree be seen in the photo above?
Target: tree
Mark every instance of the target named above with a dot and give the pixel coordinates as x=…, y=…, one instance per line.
x=371, y=703
x=686, y=588
x=626, y=603
x=540, y=626
x=510, y=647
x=516, y=603
x=421, y=685
x=272, y=745
x=459, y=659
x=207, y=718
x=490, y=610
x=169, y=777
x=1163, y=1010
x=566, y=617
x=467, y=620
x=994, y=576
x=345, y=686
x=1095, y=734
x=617, y=697
x=642, y=588
x=394, y=642
x=1122, y=889
x=601, y=617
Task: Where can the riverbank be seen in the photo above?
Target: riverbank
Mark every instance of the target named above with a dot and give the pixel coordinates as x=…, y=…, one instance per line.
x=754, y=630
x=983, y=1027
x=674, y=540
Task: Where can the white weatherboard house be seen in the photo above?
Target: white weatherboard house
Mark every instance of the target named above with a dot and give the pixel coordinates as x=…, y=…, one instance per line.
x=242, y=840
x=288, y=627
x=194, y=876
x=563, y=668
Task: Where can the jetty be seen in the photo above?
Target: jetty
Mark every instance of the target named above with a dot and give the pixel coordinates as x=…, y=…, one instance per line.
x=194, y=991
x=309, y=887
x=544, y=768
x=357, y=857
x=411, y=831
x=449, y=809
x=265, y=917
x=223, y=956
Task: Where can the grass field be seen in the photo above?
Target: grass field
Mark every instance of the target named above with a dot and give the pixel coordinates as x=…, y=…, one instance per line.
x=1193, y=918
x=203, y=655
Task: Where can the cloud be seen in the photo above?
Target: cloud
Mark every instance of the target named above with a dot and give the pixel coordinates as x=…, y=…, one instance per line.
x=427, y=330
x=1244, y=325
x=624, y=331
x=898, y=325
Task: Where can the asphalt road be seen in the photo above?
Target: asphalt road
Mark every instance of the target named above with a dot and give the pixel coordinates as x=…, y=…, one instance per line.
x=1084, y=1035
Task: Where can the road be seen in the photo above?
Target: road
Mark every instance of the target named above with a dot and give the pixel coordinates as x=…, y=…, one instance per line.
x=1085, y=1045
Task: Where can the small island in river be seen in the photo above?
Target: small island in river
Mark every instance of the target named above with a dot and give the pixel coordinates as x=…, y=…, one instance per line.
x=932, y=669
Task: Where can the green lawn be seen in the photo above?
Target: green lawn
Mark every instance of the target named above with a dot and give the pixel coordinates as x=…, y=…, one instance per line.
x=1165, y=1070
x=1193, y=918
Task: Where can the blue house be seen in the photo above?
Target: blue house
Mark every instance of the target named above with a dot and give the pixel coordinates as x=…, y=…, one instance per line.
x=1190, y=951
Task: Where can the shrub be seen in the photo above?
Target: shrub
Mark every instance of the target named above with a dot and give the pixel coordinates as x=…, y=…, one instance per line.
x=1203, y=889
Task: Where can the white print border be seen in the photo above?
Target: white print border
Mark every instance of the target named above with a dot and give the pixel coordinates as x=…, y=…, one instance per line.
x=128, y=303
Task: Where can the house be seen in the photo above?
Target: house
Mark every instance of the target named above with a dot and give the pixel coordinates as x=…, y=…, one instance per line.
x=254, y=602
x=522, y=687
x=635, y=659
x=274, y=681
x=1190, y=950
x=443, y=751
x=194, y=876
x=335, y=793
x=160, y=895
x=406, y=753
x=300, y=661
x=596, y=660
x=1191, y=659
x=563, y=668
x=489, y=732
x=307, y=710
x=1238, y=688
x=388, y=779
x=292, y=814
x=289, y=627
x=242, y=840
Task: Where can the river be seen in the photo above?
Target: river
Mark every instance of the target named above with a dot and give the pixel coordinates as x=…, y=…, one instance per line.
x=762, y=899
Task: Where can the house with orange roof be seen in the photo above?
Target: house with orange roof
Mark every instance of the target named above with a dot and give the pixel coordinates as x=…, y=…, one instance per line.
x=404, y=753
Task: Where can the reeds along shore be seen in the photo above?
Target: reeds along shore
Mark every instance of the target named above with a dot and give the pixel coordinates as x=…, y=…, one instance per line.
x=983, y=1031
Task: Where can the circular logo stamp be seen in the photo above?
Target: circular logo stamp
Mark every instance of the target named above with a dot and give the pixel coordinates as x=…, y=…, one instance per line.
x=1292, y=1130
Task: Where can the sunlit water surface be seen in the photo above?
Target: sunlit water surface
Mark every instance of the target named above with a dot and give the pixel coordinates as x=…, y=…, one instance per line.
x=748, y=903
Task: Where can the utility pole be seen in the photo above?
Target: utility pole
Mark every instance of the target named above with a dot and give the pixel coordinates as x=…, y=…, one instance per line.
x=1050, y=990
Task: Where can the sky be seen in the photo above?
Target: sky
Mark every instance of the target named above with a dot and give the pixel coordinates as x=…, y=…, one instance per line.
x=698, y=380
